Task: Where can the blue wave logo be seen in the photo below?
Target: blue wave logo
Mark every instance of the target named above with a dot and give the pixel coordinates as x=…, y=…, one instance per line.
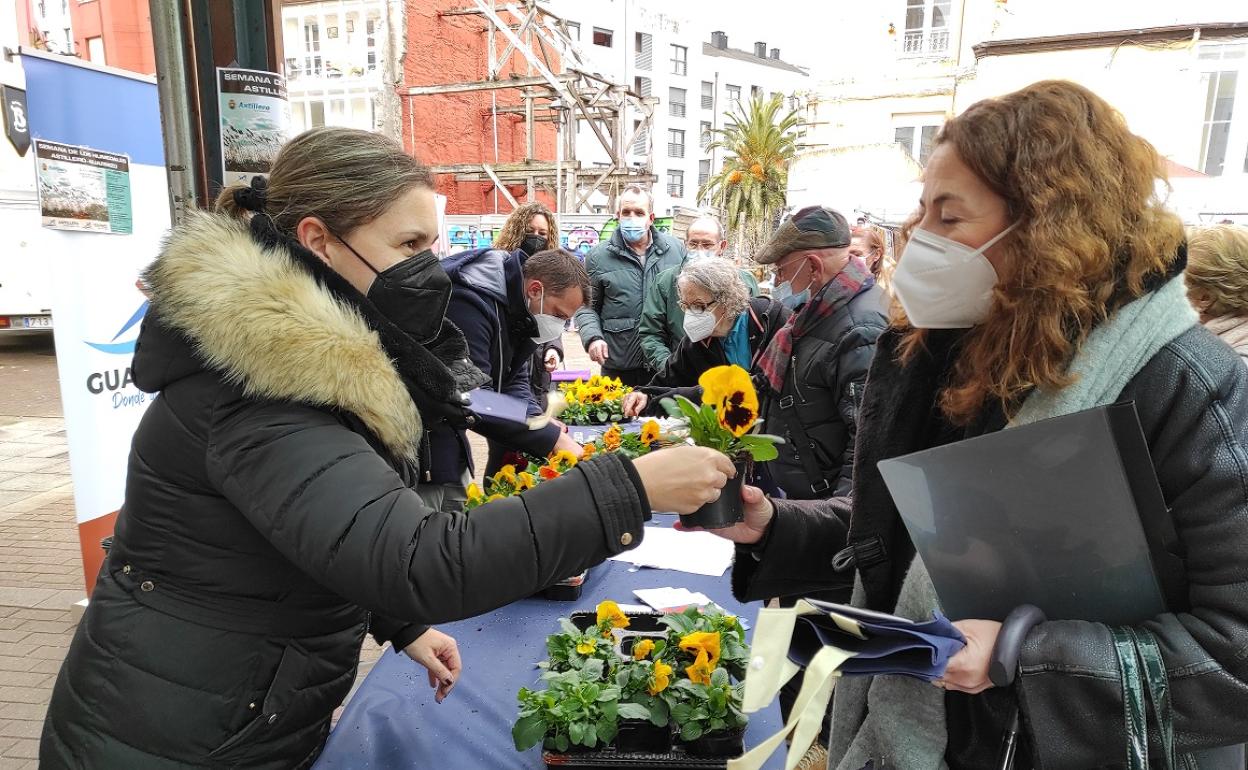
x=122, y=348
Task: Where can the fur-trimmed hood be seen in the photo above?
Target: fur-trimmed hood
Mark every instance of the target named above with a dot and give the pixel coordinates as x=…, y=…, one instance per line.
x=259, y=316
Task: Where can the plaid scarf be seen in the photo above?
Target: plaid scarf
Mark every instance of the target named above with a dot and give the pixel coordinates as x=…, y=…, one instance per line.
x=836, y=293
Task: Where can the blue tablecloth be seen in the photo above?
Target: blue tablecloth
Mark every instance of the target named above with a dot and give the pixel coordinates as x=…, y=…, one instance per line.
x=393, y=722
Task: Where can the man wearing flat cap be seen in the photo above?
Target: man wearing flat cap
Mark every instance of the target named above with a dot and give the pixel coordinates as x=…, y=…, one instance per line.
x=813, y=372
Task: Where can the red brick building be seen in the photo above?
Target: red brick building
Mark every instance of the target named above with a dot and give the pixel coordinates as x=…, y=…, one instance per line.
x=114, y=32
x=444, y=129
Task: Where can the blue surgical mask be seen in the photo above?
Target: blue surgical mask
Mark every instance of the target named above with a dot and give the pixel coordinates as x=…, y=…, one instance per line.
x=634, y=228
x=783, y=293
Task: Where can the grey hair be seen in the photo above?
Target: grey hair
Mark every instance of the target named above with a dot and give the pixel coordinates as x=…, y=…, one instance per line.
x=722, y=280
x=634, y=189
x=719, y=226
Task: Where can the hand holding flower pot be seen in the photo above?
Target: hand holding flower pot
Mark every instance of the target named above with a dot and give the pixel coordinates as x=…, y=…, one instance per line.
x=727, y=421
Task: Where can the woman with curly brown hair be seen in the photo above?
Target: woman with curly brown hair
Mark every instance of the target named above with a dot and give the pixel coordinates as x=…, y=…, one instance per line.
x=531, y=228
x=1041, y=276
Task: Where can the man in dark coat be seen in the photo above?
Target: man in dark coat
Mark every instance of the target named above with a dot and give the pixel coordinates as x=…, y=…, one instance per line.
x=497, y=300
x=814, y=371
x=621, y=271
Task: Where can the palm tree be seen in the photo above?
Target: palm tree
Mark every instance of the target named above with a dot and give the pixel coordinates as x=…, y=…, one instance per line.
x=760, y=141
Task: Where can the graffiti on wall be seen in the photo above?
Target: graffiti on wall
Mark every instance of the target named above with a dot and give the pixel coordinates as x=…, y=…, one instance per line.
x=578, y=239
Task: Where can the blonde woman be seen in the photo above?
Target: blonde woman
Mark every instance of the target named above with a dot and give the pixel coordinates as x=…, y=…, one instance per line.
x=1217, y=281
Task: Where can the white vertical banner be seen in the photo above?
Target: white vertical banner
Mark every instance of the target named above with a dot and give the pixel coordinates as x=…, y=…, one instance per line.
x=103, y=126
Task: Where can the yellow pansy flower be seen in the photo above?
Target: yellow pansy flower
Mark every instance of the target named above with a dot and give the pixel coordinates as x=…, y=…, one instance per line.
x=650, y=432
x=586, y=647
x=701, y=669
x=730, y=392
x=563, y=457
x=661, y=679
x=612, y=438
x=643, y=649
x=507, y=473
x=609, y=613
x=702, y=642
x=475, y=495
x=492, y=498
x=588, y=451
x=525, y=481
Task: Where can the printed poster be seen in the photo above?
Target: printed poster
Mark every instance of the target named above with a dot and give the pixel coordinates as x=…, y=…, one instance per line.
x=255, y=120
x=83, y=189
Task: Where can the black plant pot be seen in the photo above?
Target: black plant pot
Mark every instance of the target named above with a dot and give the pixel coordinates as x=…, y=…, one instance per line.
x=725, y=511
x=723, y=743
x=643, y=736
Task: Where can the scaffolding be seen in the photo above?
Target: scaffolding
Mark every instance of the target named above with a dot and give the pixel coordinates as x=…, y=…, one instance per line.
x=567, y=97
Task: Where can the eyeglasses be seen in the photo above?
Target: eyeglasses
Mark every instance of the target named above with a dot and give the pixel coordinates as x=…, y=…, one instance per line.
x=695, y=307
x=701, y=245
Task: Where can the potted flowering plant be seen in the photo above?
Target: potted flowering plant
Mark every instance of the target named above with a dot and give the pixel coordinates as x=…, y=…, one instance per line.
x=577, y=708
x=644, y=711
x=726, y=421
x=598, y=401
x=731, y=650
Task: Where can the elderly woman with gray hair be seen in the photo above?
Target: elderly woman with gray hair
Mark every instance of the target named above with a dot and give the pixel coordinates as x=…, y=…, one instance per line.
x=723, y=325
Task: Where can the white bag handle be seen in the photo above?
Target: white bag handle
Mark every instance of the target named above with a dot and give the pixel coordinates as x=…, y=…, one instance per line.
x=770, y=668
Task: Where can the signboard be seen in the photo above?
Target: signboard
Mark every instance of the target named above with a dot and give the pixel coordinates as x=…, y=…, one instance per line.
x=15, y=123
x=83, y=189
x=100, y=128
x=255, y=119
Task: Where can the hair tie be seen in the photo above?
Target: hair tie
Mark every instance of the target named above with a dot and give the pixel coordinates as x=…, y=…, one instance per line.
x=254, y=196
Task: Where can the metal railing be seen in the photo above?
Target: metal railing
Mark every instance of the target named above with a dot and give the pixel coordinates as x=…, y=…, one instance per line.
x=920, y=43
x=675, y=150
x=676, y=109
x=676, y=189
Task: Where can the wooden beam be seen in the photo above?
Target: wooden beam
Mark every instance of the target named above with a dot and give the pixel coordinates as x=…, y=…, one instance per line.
x=481, y=85
x=498, y=185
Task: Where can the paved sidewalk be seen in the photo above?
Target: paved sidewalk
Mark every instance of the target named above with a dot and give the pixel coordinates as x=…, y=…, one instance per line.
x=41, y=572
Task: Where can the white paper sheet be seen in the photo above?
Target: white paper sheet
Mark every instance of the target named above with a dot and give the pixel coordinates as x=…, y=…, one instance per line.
x=699, y=553
x=664, y=599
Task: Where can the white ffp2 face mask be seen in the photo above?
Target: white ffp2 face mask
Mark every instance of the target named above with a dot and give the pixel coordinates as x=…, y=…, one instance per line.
x=549, y=327
x=699, y=324
x=943, y=284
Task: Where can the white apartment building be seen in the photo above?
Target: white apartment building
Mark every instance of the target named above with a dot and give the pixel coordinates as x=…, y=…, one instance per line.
x=1177, y=72
x=52, y=19
x=695, y=72
x=334, y=62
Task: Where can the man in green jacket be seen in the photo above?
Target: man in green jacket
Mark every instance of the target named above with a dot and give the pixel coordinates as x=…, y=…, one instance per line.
x=620, y=271
x=662, y=319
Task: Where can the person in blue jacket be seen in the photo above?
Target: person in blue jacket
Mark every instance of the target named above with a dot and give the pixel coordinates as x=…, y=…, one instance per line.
x=507, y=304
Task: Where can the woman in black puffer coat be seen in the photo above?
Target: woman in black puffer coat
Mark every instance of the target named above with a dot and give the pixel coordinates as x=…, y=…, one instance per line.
x=297, y=340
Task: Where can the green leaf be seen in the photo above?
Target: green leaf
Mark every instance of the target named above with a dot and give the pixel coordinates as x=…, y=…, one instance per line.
x=671, y=407
x=561, y=742
x=577, y=731
x=527, y=732
x=603, y=415
x=610, y=710
x=690, y=731
x=591, y=736
x=719, y=678
x=659, y=713
x=633, y=711
x=607, y=730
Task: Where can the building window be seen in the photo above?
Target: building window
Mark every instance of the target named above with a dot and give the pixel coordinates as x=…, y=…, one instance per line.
x=1222, y=81
x=676, y=183
x=704, y=172
x=675, y=143
x=370, y=30
x=927, y=27
x=641, y=143
x=708, y=95
x=641, y=86
x=676, y=102
x=95, y=49
x=574, y=30
x=704, y=134
x=69, y=40
x=756, y=92
x=312, y=54
x=924, y=132
x=734, y=96
x=680, y=60
x=603, y=37
x=643, y=50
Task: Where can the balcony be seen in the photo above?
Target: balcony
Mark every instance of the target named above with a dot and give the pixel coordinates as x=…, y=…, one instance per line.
x=925, y=43
x=675, y=189
x=675, y=150
x=676, y=109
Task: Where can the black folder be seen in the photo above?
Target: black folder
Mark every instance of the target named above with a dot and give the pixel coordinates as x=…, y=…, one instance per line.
x=1065, y=514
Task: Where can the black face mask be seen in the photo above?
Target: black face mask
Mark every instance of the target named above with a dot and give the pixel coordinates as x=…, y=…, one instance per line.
x=414, y=293
x=533, y=244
